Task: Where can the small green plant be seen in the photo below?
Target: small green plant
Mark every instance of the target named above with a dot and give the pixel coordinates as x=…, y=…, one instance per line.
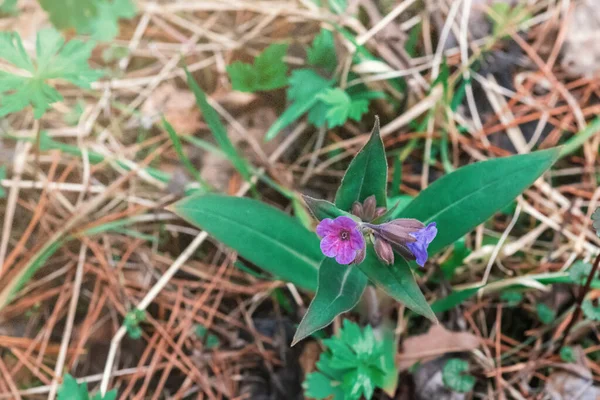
x=567, y=354
x=545, y=314
x=590, y=311
x=97, y=18
x=29, y=84
x=71, y=390
x=210, y=340
x=579, y=272
x=512, y=298
x=268, y=72
x=132, y=323
x=504, y=16
x=455, y=376
x=354, y=365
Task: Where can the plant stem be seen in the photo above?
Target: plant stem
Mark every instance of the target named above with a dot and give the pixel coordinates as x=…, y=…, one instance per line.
x=577, y=312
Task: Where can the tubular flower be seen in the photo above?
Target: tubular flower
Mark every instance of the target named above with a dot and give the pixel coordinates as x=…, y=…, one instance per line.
x=408, y=237
x=342, y=239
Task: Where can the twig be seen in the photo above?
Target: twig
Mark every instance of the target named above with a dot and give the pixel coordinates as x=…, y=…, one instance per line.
x=577, y=313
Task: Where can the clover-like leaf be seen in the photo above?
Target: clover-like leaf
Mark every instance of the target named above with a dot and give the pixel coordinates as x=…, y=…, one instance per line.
x=455, y=377
x=590, y=311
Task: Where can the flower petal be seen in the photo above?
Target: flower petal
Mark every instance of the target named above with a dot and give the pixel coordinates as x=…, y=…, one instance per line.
x=330, y=246
x=346, y=254
x=326, y=227
x=344, y=222
x=357, y=240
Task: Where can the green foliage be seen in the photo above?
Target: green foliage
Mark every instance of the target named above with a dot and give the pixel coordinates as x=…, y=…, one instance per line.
x=567, y=354
x=366, y=175
x=459, y=253
x=217, y=128
x=132, y=322
x=8, y=7
x=504, y=16
x=55, y=60
x=512, y=298
x=97, y=18
x=322, y=52
x=452, y=300
x=580, y=271
x=465, y=198
x=71, y=390
x=590, y=311
x=321, y=209
x=268, y=72
x=545, y=314
x=340, y=107
x=338, y=290
x=2, y=176
x=354, y=364
x=211, y=341
x=261, y=234
x=397, y=281
x=455, y=377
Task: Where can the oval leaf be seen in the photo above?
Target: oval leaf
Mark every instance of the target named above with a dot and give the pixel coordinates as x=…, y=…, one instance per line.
x=261, y=234
x=397, y=281
x=366, y=175
x=465, y=198
x=340, y=288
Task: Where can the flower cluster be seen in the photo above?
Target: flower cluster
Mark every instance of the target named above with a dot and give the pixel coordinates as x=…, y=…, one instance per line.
x=344, y=238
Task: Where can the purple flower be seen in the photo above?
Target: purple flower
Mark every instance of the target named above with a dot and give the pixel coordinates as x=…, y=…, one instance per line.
x=408, y=237
x=341, y=239
x=424, y=237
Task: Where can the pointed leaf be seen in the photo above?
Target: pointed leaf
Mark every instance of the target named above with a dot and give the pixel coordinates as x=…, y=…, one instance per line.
x=321, y=209
x=340, y=288
x=366, y=175
x=216, y=127
x=262, y=234
x=465, y=198
x=397, y=281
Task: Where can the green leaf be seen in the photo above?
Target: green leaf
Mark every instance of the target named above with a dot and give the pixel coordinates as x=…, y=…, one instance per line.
x=98, y=18
x=305, y=86
x=105, y=25
x=216, y=127
x=366, y=175
x=322, y=52
x=322, y=209
x=339, y=289
x=398, y=281
x=465, y=198
x=567, y=354
x=71, y=390
x=2, y=177
x=262, y=234
x=580, y=271
x=452, y=300
x=460, y=252
x=545, y=314
x=454, y=376
x=8, y=7
x=268, y=72
x=55, y=60
x=590, y=311
x=340, y=107
x=338, y=6
x=512, y=298
x=211, y=341
x=318, y=386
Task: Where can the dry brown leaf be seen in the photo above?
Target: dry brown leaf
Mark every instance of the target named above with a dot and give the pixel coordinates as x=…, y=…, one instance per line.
x=437, y=342
x=178, y=107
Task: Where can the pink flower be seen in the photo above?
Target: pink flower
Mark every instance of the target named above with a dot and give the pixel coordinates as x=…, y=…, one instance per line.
x=341, y=239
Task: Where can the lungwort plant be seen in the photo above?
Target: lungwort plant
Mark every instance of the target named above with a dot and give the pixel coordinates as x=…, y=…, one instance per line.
x=360, y=238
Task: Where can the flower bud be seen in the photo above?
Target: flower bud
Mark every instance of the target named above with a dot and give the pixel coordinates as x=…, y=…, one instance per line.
x=369, y=207
x=360, y=256
x=357, y=209
x=384, y=251
x=379, y=211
